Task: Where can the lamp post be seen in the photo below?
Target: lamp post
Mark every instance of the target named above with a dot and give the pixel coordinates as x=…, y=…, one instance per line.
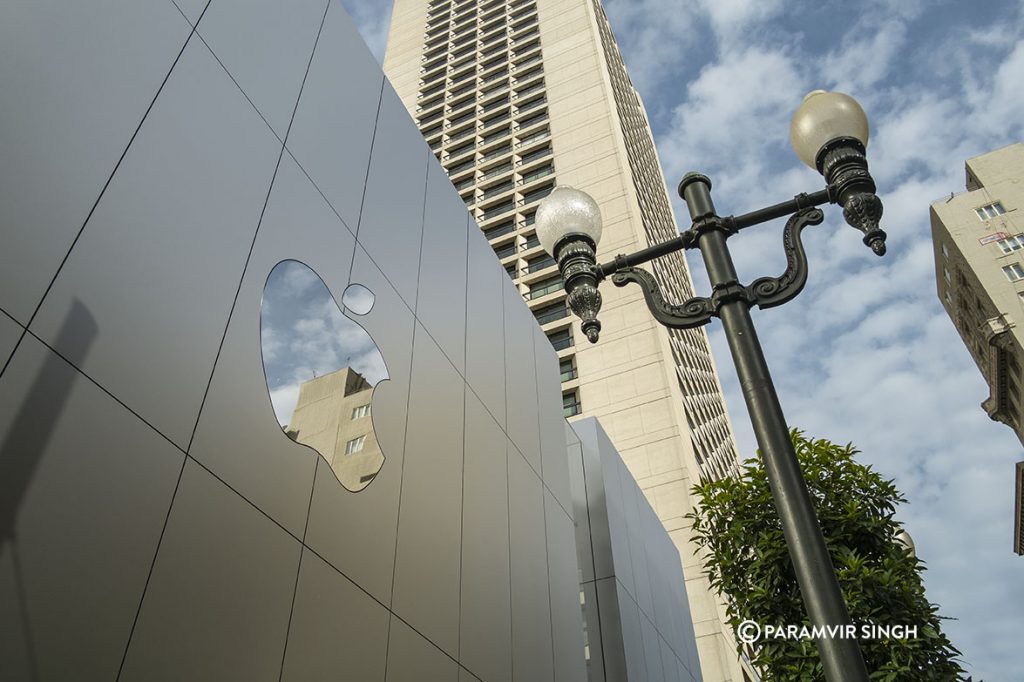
x=830, y=133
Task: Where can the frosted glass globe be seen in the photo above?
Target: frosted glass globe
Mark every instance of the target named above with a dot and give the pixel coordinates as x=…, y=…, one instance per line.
x=823, y=117
x=567, y=211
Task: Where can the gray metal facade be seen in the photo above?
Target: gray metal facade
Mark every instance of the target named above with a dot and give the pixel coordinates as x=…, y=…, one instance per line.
x=157, y=159
x=634, y=596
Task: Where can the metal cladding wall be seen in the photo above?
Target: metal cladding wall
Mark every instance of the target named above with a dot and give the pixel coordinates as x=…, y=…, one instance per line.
x=157, y=159
x=637, y=614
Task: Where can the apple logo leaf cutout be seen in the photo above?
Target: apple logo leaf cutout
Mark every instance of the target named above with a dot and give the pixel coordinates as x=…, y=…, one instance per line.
x=321, y=369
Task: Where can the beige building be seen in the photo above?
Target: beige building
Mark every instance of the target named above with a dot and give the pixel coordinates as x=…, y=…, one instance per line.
x=978, y=237
x=332, y=416
x=514, y=96
x=979, y=268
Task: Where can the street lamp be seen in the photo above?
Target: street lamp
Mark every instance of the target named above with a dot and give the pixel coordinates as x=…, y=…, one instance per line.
x=829, y=133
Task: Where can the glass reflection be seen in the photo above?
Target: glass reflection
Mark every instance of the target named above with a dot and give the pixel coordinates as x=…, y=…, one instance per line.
x=322, y=368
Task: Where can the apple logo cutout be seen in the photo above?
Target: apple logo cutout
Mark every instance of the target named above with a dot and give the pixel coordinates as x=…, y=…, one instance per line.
x=321, y=369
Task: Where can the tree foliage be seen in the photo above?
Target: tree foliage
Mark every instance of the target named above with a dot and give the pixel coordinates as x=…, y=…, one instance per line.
x=747, y=562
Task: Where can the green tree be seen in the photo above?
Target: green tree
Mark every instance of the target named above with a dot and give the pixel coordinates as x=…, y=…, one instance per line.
x=746, y=559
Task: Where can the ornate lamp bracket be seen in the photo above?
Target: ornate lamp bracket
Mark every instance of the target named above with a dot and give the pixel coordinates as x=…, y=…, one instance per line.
x=694, y=312
x=768, y=292
x=765, y=292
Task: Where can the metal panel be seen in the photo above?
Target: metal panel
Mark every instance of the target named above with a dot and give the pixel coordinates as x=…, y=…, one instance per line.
x=566, y=614
x=335, y=119
x=486, y=630
x=652, y=650
x=531, y=607
x=192, y=9
x=225, y=619
x=632, y=638
x=68, y=112
x=485, y=336
x=84, y=490
x=639, y=541
x=520, y=377
x=441, y=302
x=10, y=332
x=356, y=532
x=337, y=631
x=265, y=45
x=411, y=658
x=552, y=423
x=159, y=263
x=427, y=566
x=391, y=223
x=593, y=635
x=238, y=436
x=669, y=663
x=618, y=531
x=613, y=645
x=581, y=513
x=597, y=498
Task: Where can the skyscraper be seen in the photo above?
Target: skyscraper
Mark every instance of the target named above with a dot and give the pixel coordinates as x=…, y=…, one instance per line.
x=514, y=96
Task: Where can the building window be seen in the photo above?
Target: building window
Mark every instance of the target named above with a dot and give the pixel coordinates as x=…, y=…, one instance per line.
x=990, y=210
x=546, y=286
x=571, y=404
x=544, y=261
x=945, y=250
x=505, y=250
x=1011, y=244
x=551, y=313
x=567, y=370
x=945, y=273
x=561, y=340
x=354, y=445
x=1014, y=272
x=361, y=411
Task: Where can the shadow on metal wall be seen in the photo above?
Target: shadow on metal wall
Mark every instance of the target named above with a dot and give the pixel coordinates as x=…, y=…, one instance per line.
x=31, y=429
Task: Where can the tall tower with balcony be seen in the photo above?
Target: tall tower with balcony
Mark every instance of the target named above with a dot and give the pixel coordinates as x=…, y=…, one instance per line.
x=514, y=96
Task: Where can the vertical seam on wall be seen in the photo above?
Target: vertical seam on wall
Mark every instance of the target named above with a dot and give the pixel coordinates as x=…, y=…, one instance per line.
x=508, y=492
x=593, y=559
x=465, y=401
x=298, y=571
x=103, y=191
x=316, y=465
x=547, y=564
x=366, y=178
x=401, y=481
x=462, y=523
x=423, y=229
x=152, y=567
x=255, y=235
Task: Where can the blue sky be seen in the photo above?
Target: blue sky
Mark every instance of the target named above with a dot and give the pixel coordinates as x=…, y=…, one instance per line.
x=866, y=354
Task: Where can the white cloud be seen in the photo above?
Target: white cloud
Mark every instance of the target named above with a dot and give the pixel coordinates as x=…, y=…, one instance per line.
x=372, y=18
x=284, y=399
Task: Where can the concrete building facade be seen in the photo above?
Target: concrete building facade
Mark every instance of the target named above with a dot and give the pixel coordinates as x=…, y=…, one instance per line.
x=159, y=160
x=635, y=607
x=333, y=416
x=514, y=96
x=978, y=239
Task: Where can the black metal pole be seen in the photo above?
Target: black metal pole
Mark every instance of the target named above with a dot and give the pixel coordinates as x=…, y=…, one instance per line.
x=841, y=657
